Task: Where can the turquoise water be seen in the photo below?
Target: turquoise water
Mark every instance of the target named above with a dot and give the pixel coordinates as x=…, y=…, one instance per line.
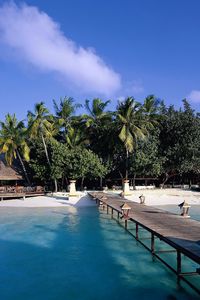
x=65, y=253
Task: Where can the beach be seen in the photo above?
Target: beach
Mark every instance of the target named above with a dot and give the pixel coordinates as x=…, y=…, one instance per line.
x=172, y=196
x=54, y=200
x=152, y=197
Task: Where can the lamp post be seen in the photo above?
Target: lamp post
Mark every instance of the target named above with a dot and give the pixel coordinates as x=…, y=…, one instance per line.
x=185, y=209
x=142, y=199
x=125, y=211
x=126, y=188
x=101, y=201
x=72, y=188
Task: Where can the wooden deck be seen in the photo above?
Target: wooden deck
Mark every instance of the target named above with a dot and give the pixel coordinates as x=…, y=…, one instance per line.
x=4, y=196
x=183, y=234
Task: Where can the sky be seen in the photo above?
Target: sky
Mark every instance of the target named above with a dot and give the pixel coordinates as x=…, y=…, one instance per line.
x=108, y=49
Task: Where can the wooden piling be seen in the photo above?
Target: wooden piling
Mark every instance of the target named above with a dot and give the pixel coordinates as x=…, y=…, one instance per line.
x=152, y=243
x=136, y=231
x=181, y=234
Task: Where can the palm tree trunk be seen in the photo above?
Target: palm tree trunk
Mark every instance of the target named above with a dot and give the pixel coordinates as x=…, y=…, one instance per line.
x=165, y=180
x=23, y=167
x=122, y=178
x=45, y=149
x=56, y=185
x=126, y=177
x=134, y=181
x=48, y=160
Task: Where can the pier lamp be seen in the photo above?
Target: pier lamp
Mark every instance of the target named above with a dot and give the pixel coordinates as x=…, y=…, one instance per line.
x=101, y=201
x=142, y=199
x=185, y=209
x=125, y=211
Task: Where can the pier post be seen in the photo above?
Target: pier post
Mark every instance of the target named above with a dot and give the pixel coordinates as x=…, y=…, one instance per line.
x=126, y=223
x=152, y=243
x=118, y=215
x=112, y=212
x=178, y=265
x=107, y=209
x=136, y=231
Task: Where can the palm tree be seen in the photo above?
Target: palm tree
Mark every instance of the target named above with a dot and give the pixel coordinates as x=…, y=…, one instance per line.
x=132, y=126
x=41, y=124
x=13, y=142
x=65, y=111
x=150, y=109
x=98, y=123
x=75, y=137
x=96, y=113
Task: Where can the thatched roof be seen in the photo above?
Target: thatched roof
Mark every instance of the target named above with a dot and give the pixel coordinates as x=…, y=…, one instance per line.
x=7, y=172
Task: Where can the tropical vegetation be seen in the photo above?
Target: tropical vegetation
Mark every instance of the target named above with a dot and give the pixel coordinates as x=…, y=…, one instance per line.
x=100, y=146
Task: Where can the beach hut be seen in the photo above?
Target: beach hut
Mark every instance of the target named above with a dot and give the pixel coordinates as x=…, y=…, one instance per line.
x=9, y=175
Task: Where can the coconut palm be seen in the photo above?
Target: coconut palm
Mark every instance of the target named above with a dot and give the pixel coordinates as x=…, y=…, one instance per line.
x=65, y=111
x=132, y=125
x=97, y=121
x=41, y=125
x=13, y=141
x=75, y=137
x=96, y=113
x=150, y=109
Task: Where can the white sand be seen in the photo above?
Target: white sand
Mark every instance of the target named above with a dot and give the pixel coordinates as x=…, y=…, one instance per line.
x=56, y=200
x=166, y=196
x=152, y=197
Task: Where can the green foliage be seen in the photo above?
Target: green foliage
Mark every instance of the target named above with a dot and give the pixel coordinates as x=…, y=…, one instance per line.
x=38, y=162
x=65, y=112
x=13, y=142
x=128, y=119
x=146, y=159
x=180, y=140
x=134, y=122
x=75, y=163
x=13, y=139
x=75, y=137
x=147, y=139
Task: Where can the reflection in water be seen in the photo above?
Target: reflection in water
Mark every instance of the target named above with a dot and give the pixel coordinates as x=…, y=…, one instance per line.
x=68, y=253
x=122, y=247
x=38, y=229
x=136, y=263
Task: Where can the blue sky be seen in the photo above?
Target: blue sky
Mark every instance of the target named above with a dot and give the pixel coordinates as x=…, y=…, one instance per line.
x=108, y=49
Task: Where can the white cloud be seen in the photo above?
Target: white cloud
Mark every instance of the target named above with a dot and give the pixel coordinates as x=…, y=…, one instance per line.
x=36, y=38
x=194, y=96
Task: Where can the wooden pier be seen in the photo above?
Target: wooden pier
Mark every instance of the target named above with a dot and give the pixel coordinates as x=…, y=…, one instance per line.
x=4, y=196
x=182, y=234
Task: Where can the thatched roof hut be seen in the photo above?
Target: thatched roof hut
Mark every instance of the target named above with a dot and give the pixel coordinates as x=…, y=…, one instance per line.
x=7, y=172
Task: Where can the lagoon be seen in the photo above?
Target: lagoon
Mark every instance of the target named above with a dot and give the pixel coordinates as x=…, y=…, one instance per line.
x=77, y=253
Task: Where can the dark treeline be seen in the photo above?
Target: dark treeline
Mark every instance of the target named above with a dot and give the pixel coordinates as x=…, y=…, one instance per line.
x=145, y=139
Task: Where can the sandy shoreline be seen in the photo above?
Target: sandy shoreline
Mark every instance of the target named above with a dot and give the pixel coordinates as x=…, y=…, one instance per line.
x=58, y=200
x=152, y=197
